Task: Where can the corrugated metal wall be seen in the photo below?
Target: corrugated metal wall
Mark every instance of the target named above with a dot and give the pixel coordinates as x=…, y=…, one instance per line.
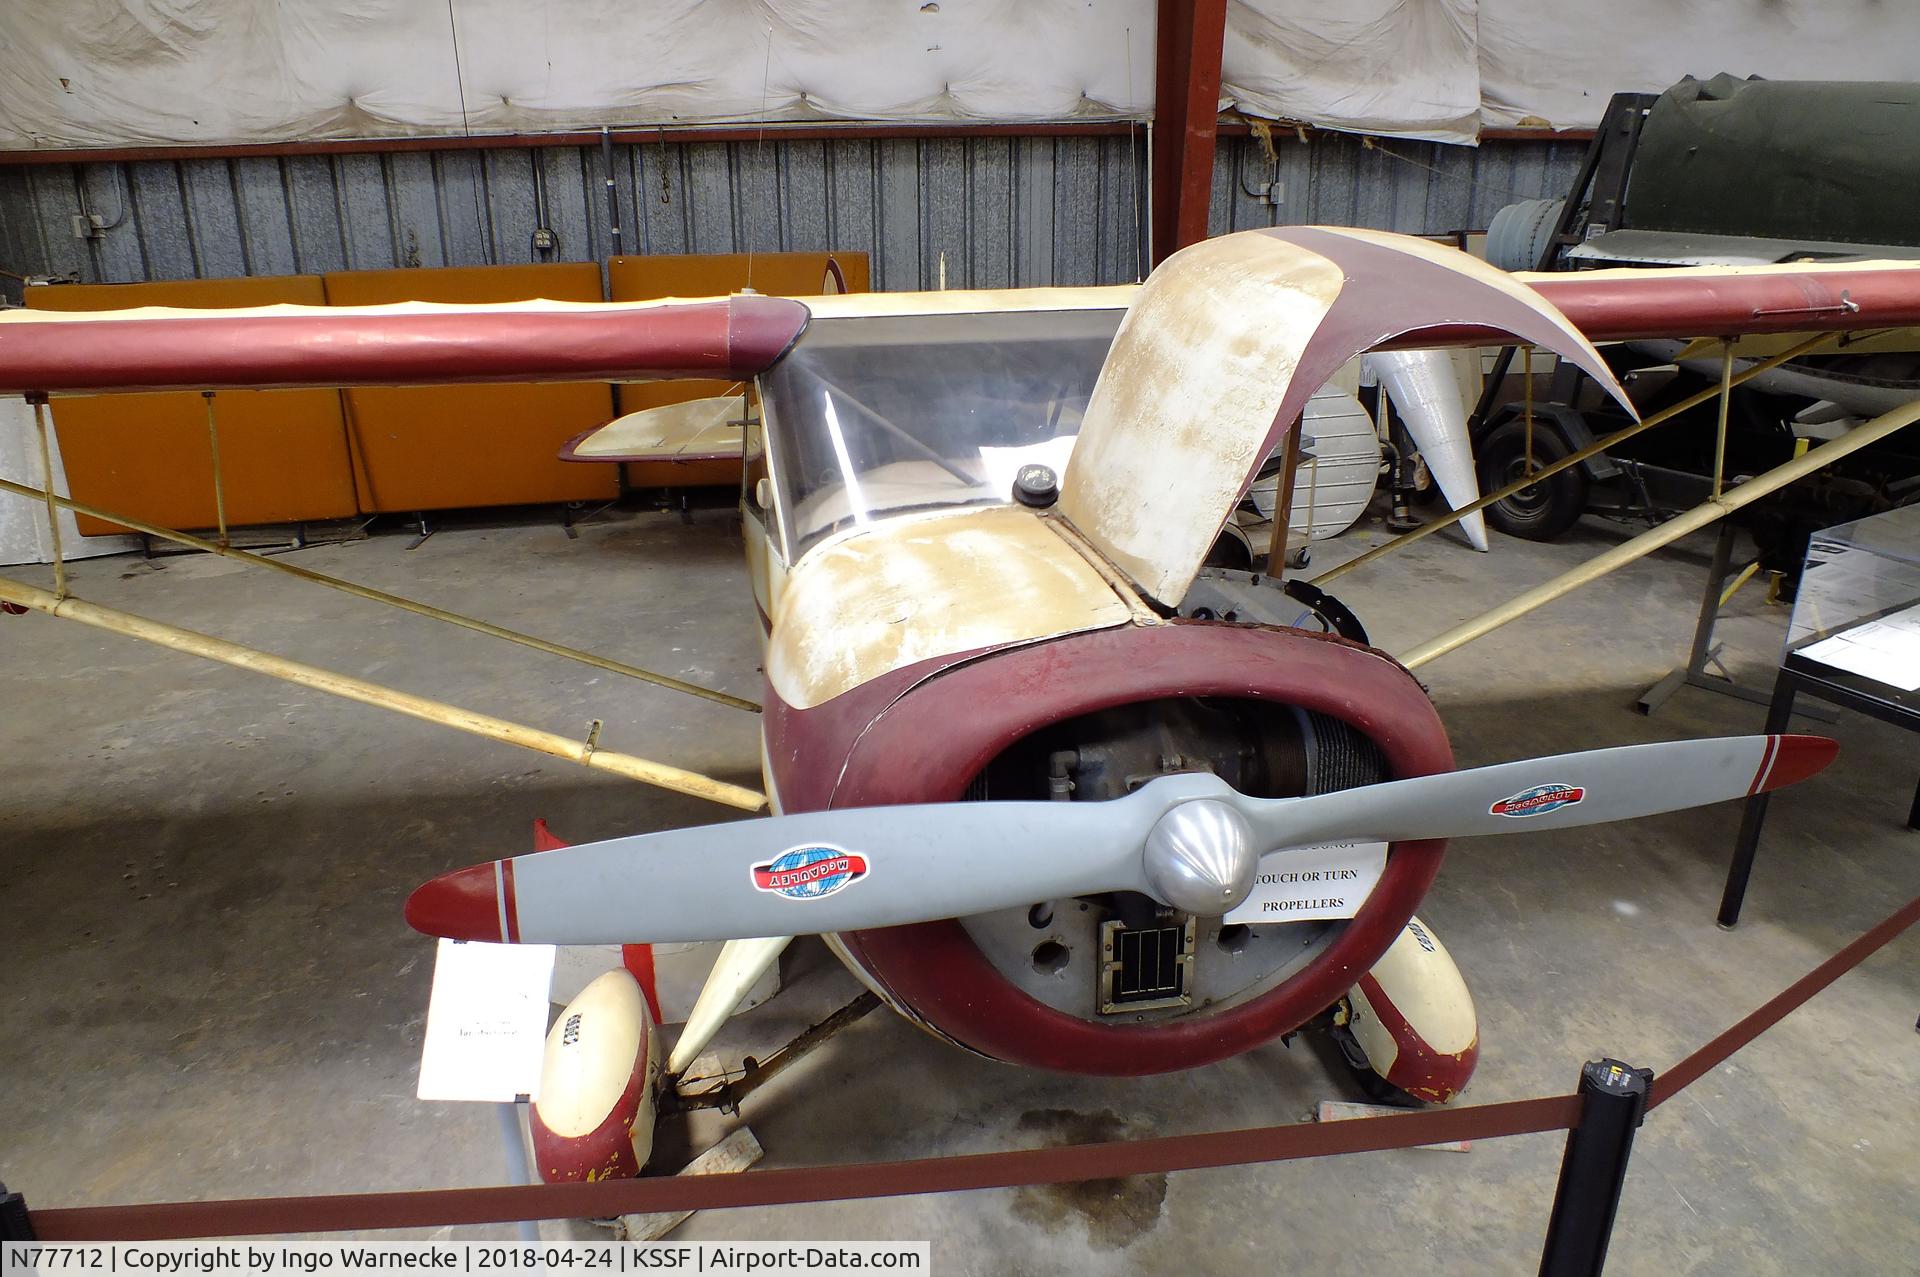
x=1004, y=211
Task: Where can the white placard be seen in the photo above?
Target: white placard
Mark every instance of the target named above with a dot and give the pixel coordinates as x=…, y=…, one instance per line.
x=486, y=1021
x=1886, y=650
x=1304, y=883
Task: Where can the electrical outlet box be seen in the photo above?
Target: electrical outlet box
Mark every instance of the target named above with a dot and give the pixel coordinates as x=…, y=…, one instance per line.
x=545, y=239
x=89, y=226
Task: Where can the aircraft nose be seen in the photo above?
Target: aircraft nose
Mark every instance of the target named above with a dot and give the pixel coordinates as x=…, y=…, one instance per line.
x=463, y=905
x=1200, y=857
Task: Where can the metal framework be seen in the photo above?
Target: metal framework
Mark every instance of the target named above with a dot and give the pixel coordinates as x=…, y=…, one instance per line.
x=1192, y=34
x=225, y=550
x=1647, y=542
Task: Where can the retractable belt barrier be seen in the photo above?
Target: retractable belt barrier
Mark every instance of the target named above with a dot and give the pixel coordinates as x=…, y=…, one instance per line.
x=440, y=1207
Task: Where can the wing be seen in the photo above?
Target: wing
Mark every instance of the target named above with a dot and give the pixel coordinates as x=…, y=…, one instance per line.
x=419, y=343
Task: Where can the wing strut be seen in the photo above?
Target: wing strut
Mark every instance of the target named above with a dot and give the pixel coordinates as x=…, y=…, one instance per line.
x=381, y=596
x=586, y=754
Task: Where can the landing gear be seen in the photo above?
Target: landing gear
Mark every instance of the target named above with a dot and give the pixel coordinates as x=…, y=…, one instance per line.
x=1544, y=510
x=1345, y=1054
x=1407, y=1033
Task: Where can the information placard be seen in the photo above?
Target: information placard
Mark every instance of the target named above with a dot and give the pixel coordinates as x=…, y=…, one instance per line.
x=1305, y=883
x=486, y=1022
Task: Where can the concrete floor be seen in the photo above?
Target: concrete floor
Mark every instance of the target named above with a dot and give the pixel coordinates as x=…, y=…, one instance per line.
x=211, y=993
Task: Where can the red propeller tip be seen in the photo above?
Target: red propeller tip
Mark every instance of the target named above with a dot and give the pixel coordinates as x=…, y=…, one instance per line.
x=462, y=905
x=1792, y=759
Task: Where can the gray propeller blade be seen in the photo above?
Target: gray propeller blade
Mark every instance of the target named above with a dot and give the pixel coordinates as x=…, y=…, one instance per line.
x=804, y=873
x=1190, y=841
x=1558, y=792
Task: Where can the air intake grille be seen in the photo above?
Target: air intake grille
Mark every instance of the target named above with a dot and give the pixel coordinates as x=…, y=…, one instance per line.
x=1144, y=968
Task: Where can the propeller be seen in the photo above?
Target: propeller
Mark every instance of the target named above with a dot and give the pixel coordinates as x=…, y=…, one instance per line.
x=1190, y=841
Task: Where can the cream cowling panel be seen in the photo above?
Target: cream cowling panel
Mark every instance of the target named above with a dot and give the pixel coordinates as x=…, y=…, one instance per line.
x=912, y=589
x=1219, y=353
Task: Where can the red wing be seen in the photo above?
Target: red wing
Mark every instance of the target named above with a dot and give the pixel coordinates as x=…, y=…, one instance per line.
x=1724, y=301
x=413, y=343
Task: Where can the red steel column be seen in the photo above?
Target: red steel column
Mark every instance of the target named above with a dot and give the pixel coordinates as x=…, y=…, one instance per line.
x=1185, y=117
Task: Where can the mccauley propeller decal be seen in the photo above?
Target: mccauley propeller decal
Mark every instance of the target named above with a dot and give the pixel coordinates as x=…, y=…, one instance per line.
x=808, y=873
x=1538, y=801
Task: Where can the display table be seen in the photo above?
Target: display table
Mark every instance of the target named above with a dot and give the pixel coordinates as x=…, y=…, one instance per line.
x=1854, y=641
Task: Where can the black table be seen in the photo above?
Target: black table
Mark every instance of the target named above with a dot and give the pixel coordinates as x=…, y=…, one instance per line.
x=1800, y=675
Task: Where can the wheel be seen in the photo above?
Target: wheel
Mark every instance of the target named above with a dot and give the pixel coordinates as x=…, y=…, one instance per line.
x=1546, y=509
x=1346, y=1061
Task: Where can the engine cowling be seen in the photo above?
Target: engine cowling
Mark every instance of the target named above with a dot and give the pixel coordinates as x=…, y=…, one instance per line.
x=1254, y=703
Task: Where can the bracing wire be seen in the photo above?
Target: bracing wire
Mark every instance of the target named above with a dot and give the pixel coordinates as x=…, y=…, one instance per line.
x=1133, y=164
x=760, y=143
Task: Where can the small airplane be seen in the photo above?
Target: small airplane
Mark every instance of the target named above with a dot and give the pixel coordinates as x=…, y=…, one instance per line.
x=1035, y=806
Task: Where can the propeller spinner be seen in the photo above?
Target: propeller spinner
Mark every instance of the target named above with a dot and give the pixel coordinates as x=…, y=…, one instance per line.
x=1189, y=841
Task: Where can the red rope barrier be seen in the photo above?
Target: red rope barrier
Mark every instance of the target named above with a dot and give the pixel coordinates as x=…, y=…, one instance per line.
x=1071, y=1163
x=362, y=1211
x=1713, y=1054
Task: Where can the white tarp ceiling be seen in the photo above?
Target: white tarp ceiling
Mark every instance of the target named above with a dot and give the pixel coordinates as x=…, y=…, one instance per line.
x=95, y=73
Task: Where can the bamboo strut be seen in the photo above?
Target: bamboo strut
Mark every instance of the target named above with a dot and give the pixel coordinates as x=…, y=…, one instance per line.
x=354, y=689
x=46, y=477
x=1720, y=430
x=1573, y=458
x=1526, y=379
x=381, y=596
x=1670, y=531
x=213, y=448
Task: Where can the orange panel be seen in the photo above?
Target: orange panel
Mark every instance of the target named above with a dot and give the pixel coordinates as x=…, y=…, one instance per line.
x=713, y=275
x=283, y=453
x=440, y=447
x=633, y=279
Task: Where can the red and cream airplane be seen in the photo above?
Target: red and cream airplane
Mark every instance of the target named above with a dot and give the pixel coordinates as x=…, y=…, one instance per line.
x=1041, y=811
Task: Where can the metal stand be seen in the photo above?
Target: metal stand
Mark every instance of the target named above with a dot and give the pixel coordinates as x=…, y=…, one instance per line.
x=426, y=530
x=517, y=1168
x=1705, y=652
x=15, y=1226
x=727, y=1094
x=1614, y=1102
x=1798, y=674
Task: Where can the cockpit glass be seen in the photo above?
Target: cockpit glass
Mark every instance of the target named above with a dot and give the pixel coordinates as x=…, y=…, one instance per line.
x=880, y=416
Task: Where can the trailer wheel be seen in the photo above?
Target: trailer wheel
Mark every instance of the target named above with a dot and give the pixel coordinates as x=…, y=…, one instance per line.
x=1545, y=510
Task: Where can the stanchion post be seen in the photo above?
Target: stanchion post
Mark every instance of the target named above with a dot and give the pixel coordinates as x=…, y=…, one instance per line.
x=1613, y=1103
x=15, y=1224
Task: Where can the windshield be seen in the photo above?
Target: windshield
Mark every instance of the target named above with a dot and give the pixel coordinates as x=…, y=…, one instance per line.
x=879, y=416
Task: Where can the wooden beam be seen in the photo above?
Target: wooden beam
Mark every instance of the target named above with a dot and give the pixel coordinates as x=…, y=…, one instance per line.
x=1186, y=120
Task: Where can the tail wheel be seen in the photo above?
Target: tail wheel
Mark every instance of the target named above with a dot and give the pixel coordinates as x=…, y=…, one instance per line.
x=1540, y=511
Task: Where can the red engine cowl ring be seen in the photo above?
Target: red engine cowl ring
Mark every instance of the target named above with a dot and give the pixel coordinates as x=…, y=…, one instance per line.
x=929, y=743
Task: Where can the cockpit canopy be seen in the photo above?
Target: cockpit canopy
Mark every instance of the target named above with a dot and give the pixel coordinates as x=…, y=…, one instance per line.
x=873, y=417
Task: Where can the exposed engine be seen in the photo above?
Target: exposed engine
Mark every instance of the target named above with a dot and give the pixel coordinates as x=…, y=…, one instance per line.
x=1124, y=955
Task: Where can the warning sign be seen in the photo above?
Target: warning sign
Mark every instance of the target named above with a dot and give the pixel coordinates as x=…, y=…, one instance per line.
x=1304, y=883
